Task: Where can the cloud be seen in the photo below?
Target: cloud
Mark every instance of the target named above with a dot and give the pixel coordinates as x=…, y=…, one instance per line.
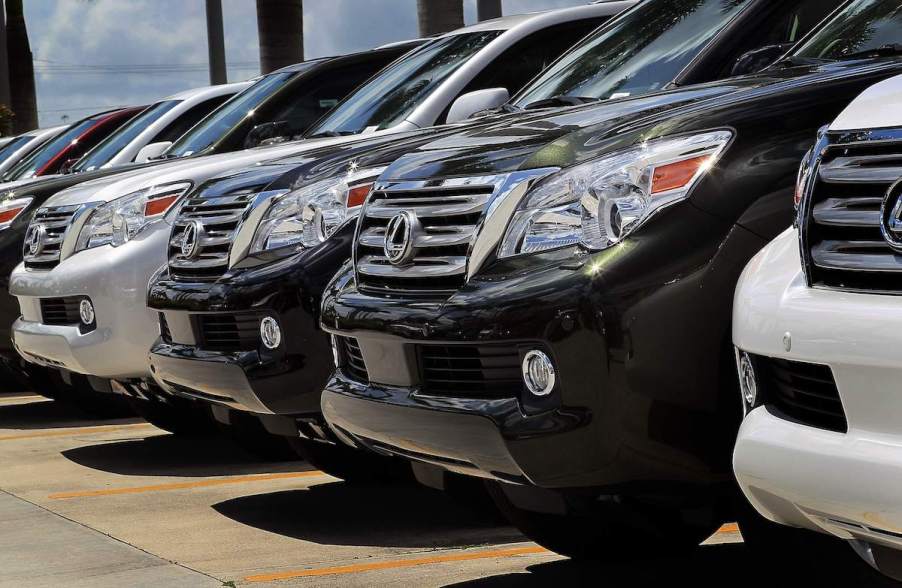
x=69, y=38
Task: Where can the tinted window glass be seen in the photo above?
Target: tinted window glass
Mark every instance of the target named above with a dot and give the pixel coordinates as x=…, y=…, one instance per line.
x=642, y=51
x=109, y=147
x=528, y=57
x=188, y=119
x=227, y=116
x=393, y=93
x=12, y=146
x=863, y=26
x=42, y=156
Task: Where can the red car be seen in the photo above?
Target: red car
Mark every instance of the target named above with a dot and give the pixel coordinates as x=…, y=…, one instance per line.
x=60, y=153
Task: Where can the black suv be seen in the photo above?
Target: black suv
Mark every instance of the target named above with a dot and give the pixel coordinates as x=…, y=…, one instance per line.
x=547, y=304
x=288, y=100
x=283, y=285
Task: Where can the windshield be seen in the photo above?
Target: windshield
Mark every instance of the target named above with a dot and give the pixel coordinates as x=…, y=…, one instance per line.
x=109, y=147
x=393, y=93
x=45, y=154
x=640, y=52
x=863, y=26
x=12, y=146
x=224, y=118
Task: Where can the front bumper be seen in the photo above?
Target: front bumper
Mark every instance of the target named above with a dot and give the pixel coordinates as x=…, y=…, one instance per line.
x=284, y=381
x=115, y=280
x=845, y=484
x=640, y=397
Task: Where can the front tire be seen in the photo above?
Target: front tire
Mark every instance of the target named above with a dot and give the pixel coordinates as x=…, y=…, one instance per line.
x=596, y=536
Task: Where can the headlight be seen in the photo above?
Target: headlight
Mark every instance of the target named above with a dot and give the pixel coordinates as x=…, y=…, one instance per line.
x=308, y=215
x=119, y=220
x=600, y=202
x=11, y=209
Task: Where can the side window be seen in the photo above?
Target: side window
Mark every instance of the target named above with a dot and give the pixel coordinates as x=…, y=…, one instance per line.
x=316, y=95
x=523, y=61
x=784, y=23
x=189, y=118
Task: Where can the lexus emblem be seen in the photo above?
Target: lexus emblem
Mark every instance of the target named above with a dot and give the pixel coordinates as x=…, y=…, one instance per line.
x=191, y=240
x=400, y=234
x=36, y=239
x=891, y=217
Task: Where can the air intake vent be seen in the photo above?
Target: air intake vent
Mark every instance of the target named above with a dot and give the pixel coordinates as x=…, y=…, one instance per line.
x=843, y=244
x=60, y=311
x=45, y=235
x=352, y=359
x=441, y=222
x=802, y=392
x=209, y=224
x=469, y=371
x=228, y=332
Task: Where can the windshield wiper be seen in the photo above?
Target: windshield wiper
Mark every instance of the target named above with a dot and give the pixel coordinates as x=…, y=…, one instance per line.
x=561, y=100
x=887, y=50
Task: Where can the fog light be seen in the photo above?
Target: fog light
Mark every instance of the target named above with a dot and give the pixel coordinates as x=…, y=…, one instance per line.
x=270, y=333
x=86, y=311
x=748, y=383
x=538, y=373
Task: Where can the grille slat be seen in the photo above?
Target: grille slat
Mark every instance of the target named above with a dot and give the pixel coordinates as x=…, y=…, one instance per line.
x=219, y=217
x=60, y=311
x=447, y=218
x=55, y=222
x=804, y=392
x=845, y=248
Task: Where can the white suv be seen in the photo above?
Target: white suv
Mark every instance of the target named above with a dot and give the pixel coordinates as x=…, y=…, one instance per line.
x=818, y=332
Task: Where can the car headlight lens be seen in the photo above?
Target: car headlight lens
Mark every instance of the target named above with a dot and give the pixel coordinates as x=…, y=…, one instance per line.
x=116, y=222
x=597, y=204
x=11, y=209
x=308, y=215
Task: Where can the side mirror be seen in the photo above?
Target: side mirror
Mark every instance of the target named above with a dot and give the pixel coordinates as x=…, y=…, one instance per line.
x=152, y=151
x=472, y=102
x=758, y=59
x=268, y=134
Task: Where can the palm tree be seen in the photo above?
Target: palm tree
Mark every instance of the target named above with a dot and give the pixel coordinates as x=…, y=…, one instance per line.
x=280, y=27
x=21, y=69
x=439, y=16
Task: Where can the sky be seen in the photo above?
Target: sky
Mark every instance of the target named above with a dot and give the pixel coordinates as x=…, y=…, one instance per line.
x=95, y=54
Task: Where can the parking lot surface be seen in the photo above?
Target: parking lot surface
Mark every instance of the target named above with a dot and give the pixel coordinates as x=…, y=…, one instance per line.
x=120, y=503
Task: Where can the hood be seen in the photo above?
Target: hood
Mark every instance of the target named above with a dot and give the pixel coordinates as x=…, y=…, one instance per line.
x=879, y=106
x=193, y=169
x=571, y=135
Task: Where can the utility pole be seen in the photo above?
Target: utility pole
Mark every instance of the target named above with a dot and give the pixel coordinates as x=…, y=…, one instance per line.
x=439, y=16
x=487, y=9
x=216, y=43
x=280, y=28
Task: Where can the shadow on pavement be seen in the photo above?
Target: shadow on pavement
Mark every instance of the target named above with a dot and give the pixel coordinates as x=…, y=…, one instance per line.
x=401, y=515
x=732, y=565
x=169, y=455
x=49, y=414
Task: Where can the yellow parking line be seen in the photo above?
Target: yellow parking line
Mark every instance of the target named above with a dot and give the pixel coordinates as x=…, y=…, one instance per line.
x=185, y=485
x=72, y=431
x=29, y=397
x=397, y=563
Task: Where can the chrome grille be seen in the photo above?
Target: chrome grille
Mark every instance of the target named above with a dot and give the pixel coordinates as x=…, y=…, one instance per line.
x=55, y=221
x=447, y=218
x=840, y=227
x=219, y=218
